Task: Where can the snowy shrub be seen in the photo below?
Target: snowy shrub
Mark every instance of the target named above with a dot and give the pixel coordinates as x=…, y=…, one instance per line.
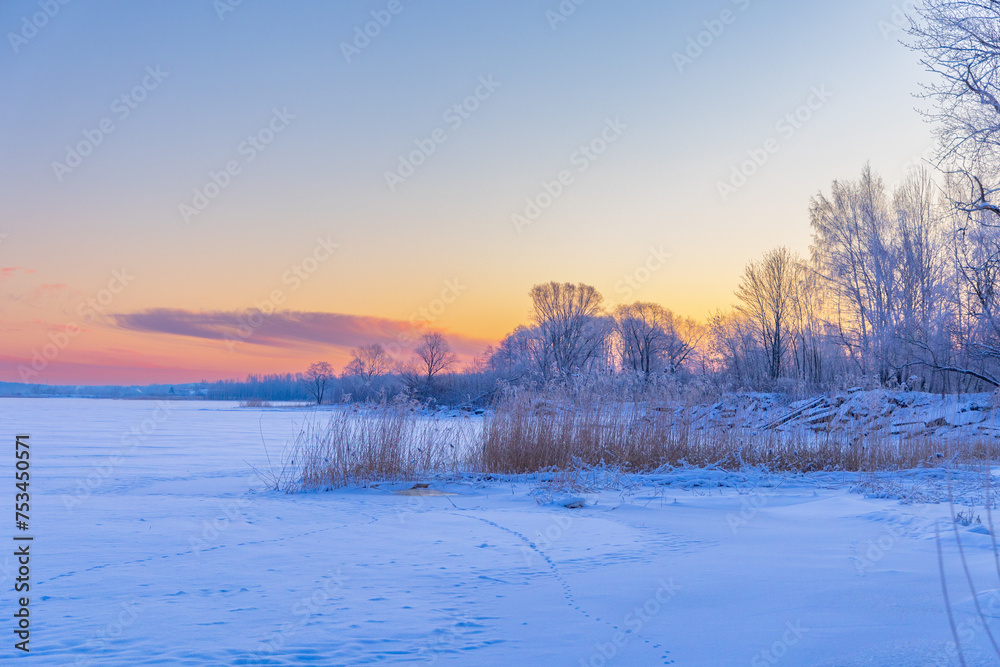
x=361, y=444
x=255, y=403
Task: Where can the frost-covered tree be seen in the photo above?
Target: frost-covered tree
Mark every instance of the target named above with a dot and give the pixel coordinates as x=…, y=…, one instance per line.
x=572, y=330
x=366, y=373
x=735, y=351
x=683, y=342
x=651, y=339
x=921, y=256
x=317, y=379
x=767, y=293
x=976, y=332
x=959, y=44
x=853, y=239
x=369, y=363
x=813, y=359
x=434, y=356
x=520, y=357
x=642, y=337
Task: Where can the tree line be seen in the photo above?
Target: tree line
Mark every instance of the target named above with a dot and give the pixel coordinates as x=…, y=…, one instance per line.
x=899, y=287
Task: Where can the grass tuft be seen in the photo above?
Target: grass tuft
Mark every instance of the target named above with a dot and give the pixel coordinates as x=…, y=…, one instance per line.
x=571, y=437
x=378, y=442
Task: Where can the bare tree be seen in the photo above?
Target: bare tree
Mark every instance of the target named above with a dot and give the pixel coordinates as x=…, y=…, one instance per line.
x=684, y=337
x=369, y=362
x=767, y=293
x=641, y=337
x=959, y=44
x=922, y=259
x=317, y=378
x=815, y=361
x=367, y=372
x=735, y=349
x=652, y=339
x=571, y=326
x=977, y=329
x=434, y=356
x=854, y=250
x=520, y=356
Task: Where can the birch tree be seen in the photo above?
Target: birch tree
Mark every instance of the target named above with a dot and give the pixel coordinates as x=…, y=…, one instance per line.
x=767, y=293
x=853, y=250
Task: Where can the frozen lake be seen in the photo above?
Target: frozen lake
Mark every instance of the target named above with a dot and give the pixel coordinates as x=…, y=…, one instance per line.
x=156, y=545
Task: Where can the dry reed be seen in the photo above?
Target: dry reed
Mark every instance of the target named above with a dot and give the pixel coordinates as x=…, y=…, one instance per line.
x=528, y=432
x=387, y=441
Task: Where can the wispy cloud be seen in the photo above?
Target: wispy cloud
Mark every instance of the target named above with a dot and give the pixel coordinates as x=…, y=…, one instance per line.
x=287, y=329
x=47, y=289
x=8, y=271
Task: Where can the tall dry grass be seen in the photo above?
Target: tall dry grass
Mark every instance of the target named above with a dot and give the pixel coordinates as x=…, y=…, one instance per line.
x=528, y=432
x=552, y=430
x=386, y=441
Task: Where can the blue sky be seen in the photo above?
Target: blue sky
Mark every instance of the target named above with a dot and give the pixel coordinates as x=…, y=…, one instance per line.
x=654, y=188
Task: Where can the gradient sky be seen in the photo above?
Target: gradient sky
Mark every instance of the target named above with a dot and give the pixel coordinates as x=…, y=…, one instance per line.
x=447, y=229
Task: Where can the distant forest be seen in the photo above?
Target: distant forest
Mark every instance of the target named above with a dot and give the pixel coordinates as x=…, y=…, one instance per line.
x=901, y=290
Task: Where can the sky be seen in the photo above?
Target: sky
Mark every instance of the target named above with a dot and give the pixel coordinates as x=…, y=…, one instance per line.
x=208, y=189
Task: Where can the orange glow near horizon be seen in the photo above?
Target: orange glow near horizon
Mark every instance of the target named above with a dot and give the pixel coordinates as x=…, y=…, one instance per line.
x=310, y=216
x=49, y=340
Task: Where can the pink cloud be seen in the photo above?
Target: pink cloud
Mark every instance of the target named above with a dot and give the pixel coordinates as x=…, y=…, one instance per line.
x=288, y=329
x=47, y=289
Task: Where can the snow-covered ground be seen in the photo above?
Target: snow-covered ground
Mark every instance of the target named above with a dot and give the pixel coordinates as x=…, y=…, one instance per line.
x=879, y=412
x=155, y=544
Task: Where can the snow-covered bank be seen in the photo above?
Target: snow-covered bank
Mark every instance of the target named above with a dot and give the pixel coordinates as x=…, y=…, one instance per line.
x=877, y=412
x=156, y=545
